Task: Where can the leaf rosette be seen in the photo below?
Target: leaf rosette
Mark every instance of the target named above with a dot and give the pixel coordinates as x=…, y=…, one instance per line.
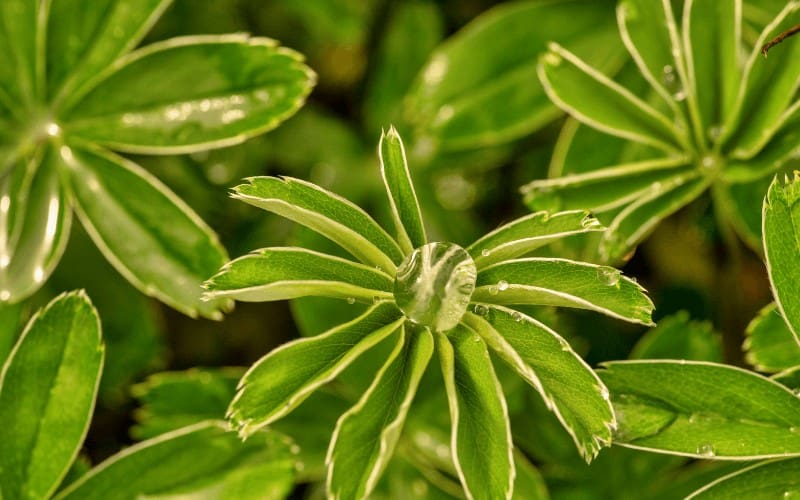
x=74, y=88
x=693, y=116
x=424, y=297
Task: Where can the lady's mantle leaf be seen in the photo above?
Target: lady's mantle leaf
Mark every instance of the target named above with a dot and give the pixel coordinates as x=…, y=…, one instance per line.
x=481, y=434
x=564, y=283
x=282, y=379
x=204, y=460
x=330, y=215
x=702, y=410
x=770, y=345
x=147, y=233
x=192, y=93
x=47, y=393
x=773, y=479
x=287, y=273
x=365, y=436
x=545, y=360
x=402, y=198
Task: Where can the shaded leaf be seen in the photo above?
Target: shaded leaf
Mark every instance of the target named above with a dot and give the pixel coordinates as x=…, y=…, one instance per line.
x=564, y=283
x=479, y=87
x=781, y=223
x=366, y=435
x=282, y=379
x=481, y=435
x=22, y=73
x=702, y=410
x=146, y=232
x=35, y=219
x=47, y=394
x=773, y=479
x=203, y=460
x=108, y=28
x=290, y=272
x=192, y=93
x=679, y=337
x=770, y=345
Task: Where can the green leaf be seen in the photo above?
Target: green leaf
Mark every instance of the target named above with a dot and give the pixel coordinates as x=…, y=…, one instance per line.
x=770, y=345
x=147, y=233
x=481, y=434
x=22, y=71
x=171, y=400
x=332, y=216
x=546, y=361
x=598, y=101
x=711, y=39
x=479, y=87
x=108, y=28
x=740, y=203
x=773, y=479
x=289, y=272
x=528, y=233
x=35, y=219
x=679, y=337
x=282, y=379
x=11, y=316
x=402, y=198
x=606, y=188
x=412, y=32
x=529, y=483
x=47, y=393
x=564, y=283
x=366, y=435
x=649, y=32
x=702, y=410
x=781, y=223
x=192, y=93
x=635, y=222
x=205, y=460
x=767, y=88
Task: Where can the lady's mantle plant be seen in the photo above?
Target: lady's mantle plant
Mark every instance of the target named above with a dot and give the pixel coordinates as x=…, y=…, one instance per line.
x=72, y=89
x=715, y=121
x=425, y=297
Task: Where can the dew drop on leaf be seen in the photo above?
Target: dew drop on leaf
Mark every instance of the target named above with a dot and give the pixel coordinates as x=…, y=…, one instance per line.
x=434, y=284
x=485, y=252
x=706, y=450
x=608, y=275
x=351, y=300
x=517, y=316
x=480, y=310
x=604, y=393
x=502, y=285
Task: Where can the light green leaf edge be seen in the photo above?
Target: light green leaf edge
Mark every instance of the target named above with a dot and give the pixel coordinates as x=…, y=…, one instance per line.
x=450, y=360
x=785, y=472
x=502, y=284
x=375, y=247
x=232, y=280
x=528, y=233
x=408, y=361
x=372, y=327
x=400, y=190
x=558, y=55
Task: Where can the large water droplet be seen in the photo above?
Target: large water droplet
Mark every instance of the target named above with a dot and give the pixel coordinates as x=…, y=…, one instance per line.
x=481, y=310
x=434, y=284
x=706, y=450
x=502, y=285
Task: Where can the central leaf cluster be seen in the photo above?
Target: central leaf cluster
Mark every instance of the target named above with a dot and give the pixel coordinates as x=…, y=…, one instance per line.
x=434, y=284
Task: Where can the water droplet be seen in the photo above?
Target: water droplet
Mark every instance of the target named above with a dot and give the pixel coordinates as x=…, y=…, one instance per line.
x=5, y=295
x=796, y=392
x=656, y=186
x=480, y=310
x=294, y=449
x=299, y=466
x=708, y=162
x=485, y=252
x=679, y=96
x=608, y=275
x=502, y=285
x=794, y=430
x=604, y=393
x=564, y=344
x=436, y=70
x=706, y=450
x=517, y=316
x=52, y=129
x=433, y=285
x=476, y=338
x=552, y=59
x=493, y=290
x=714, y=132
x=590, y=222
x=668, y=75
x=38, y=274
x=351, y=300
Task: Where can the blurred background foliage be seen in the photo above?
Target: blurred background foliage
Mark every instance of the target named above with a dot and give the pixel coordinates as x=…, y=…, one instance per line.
x=458, y=79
